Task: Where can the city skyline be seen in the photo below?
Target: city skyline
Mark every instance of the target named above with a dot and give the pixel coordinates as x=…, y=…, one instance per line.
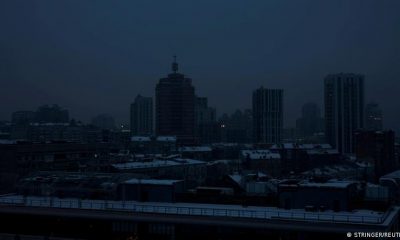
x=90, y=65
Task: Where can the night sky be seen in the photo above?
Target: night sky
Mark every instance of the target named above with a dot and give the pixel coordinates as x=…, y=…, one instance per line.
x=95, y=56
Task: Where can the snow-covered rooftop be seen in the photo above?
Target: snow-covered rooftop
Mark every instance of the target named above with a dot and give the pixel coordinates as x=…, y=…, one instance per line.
x=166, y=138
x=152, y=181
x=156, y=163
x=329, y=184
x=140, y=139
x=260, y=154
x=195, y=149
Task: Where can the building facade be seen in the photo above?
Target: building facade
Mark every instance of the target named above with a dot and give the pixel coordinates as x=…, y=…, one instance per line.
x=267, y=115
x=206, y=126
x=377, y=148
x=175, y=107
x=373, y=117
x=344, y=109
x=142, y=116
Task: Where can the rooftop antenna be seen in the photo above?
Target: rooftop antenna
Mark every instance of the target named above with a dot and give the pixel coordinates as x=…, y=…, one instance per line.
x=175, y=65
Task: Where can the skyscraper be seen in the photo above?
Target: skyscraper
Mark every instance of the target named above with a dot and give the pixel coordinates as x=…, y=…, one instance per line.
x=344, y=109
x=142, y=116
x=373, y=117
x=175, y=106
x=268, y=115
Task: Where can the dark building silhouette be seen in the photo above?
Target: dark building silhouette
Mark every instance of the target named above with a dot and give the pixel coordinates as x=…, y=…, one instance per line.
x=344, y=109
x=175, y=107
x=23, y=117
x=142, y=116
x=373, y=117
x=52, y=114
x=206, y=126
x=268, y=115
x=104, y=121
x=310, y=122
x=237, y=127
x=377, y=148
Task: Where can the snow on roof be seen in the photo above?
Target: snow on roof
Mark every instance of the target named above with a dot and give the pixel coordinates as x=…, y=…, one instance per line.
x=152, y=181
x=305, y=146
x=394, y=175
x=166, y=138
x=328, y=184
x=195, y=149
x=237, y=178
x=5, y=141
x=156, y=163
x=288, y=145
x=260, y=154
x=322, y=151
x=140, y=139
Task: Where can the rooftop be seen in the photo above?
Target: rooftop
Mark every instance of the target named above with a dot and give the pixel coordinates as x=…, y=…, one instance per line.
x=195, y=149
x=156, y=163
x=260, y=154
x=152, y=181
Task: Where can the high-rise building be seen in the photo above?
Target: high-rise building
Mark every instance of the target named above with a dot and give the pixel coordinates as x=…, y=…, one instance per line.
x=204, y=113
x=175, y=107
x=373, y=117
x=206, y=126
x=267, y=115
x=142, y=116
x=344, y=109
x=310, y=122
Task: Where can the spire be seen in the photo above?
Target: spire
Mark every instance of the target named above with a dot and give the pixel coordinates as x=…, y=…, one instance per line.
x=175, y=65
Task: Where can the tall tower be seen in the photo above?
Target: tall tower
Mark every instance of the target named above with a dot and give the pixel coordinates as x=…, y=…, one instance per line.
x=344, y=109
x=142, y=116
x=268, y=115
x=175, y=106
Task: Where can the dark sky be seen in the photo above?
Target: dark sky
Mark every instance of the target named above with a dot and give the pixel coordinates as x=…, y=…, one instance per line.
x=94, y=56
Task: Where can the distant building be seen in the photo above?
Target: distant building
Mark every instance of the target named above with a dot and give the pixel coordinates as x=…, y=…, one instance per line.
x=52, y=114
x=344, y=109
x=377, y=148
x=175, y=107
x=237, y=127
x=104, y=121
x=310, y=122
x=23, y=117
x=19, y=159
x=206, y=126
x=373, y=117
x=268, y=115
x=142, y=116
